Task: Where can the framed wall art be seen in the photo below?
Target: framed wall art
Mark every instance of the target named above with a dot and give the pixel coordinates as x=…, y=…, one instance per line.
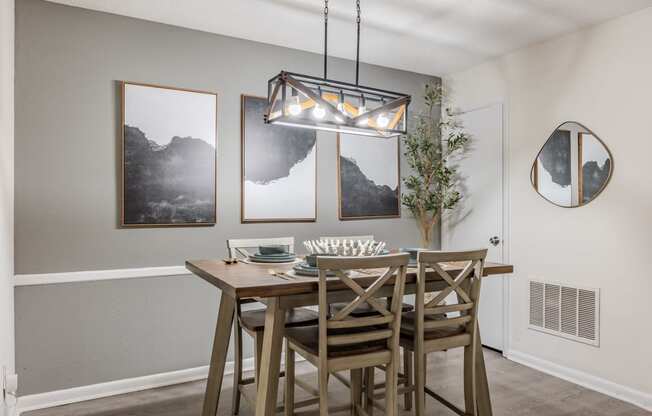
x=278, y=170
x=169, y=156
x=368, y=177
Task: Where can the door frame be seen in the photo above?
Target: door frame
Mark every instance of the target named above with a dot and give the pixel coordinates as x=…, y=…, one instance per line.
x=7, y=327
x=506, y=205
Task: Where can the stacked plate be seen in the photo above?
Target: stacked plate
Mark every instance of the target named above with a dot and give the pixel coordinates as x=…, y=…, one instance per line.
x=304, y=269
x=272, y=257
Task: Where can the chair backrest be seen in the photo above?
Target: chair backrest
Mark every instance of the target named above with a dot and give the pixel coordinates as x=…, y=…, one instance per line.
x=384, y=326
x=238, y=247
x=363, y=238
x=465, y=284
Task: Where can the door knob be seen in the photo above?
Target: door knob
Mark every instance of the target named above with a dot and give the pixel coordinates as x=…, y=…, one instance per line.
x=495, y=240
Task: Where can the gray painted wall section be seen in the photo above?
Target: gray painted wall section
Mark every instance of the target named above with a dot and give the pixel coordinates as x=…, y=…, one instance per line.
x=68, y=64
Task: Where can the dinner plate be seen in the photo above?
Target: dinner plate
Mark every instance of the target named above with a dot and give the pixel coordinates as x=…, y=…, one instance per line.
x=287, y=258
x=274, y=255
x=271, y=260
x=304, y=269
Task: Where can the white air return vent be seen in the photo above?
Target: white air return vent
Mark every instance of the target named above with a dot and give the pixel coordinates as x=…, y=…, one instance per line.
x=565, y=311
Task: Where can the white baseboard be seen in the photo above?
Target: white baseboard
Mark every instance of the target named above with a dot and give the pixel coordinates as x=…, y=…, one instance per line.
x=618, y=391
x=95, y=275
x=113, y=388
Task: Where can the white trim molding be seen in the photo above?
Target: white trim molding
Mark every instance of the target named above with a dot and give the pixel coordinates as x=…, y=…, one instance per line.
x=7, y=131
x=114, y=388
x=95, y=275
x=618, y=391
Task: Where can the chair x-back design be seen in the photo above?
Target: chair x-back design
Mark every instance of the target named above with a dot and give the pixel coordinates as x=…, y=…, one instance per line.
x=344, y=341
x=436, y=326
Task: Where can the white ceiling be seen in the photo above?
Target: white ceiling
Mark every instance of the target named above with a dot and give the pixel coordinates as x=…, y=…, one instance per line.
x=429, y=36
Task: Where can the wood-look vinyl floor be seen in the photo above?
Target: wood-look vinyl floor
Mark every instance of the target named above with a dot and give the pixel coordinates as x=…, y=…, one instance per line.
x=516, y=391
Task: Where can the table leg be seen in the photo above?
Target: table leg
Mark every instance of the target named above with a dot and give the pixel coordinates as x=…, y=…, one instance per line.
x=218, y=356
x=482, y=386
x=270, y=361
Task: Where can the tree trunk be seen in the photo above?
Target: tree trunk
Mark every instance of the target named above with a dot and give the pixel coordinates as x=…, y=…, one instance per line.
x=426, y=227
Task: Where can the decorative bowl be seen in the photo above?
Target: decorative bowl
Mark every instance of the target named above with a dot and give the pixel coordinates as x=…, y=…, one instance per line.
x=413, y=252
x=272, y=250
x=311, y=259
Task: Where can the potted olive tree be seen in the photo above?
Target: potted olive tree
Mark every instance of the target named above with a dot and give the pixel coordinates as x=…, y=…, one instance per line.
x=432, y=186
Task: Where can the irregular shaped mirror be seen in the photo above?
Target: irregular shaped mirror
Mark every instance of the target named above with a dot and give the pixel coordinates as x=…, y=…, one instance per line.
x=572, y=167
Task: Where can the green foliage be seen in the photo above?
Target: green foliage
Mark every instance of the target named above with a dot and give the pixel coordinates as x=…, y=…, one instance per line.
x=433, y=186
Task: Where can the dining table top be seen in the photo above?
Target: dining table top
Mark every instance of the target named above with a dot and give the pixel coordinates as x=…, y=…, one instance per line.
x=246, y=280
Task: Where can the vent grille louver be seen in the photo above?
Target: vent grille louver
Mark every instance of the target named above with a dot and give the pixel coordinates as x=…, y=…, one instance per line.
x=565, y=311
x=587, y=314
x=536, y=303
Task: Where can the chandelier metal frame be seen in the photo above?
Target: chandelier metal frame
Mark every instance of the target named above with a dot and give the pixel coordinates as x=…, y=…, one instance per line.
x=336, y=105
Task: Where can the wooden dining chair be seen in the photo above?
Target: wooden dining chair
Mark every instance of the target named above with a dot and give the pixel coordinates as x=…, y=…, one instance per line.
x=342, y=341
x=364, y=309
x=252, y=321
x=431, y=327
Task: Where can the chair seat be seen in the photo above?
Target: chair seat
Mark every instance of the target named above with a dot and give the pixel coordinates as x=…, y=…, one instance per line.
x=364, y=309
x=254, y=320
x=307, y=338
x=407, y=327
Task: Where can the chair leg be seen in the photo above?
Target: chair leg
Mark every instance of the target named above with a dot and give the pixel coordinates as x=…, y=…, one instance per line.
x=356, y=390
x=407, y=372
x=420, y=383
x=258, y=346
x=323, y=391
x=369, y=390
x=237, y=370
x=391, y=387
x=470, y=381
x=289, y=380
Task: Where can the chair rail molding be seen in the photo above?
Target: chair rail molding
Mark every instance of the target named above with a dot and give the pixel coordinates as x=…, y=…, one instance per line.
x=95, y=275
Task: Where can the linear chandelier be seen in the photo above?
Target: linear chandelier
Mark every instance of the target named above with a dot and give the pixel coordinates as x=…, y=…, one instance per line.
x=322, y=104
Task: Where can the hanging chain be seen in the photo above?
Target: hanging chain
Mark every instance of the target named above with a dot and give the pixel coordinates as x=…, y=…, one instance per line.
x=357, y=53
x=325, y=39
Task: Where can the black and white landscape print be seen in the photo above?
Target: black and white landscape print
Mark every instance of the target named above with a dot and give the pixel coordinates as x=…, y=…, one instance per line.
x=169, y=156
x=368, y=177
x=279, y=172
x=554, y=169
x=596, y=167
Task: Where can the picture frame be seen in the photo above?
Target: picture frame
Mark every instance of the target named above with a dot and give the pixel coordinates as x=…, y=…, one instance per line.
x=155, y=192
x=379, y=200
x=281, y=186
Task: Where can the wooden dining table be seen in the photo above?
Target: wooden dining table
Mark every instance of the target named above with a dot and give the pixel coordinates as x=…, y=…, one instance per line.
x=279, y=293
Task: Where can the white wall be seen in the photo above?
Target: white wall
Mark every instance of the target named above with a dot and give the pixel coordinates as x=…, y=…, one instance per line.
x=602, y=78
x=6, y=186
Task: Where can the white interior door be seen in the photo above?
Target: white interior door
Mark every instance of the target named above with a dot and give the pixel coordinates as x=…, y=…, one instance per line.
x=479, y=219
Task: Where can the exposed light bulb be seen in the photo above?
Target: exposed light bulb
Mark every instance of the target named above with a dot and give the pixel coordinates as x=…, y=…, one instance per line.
x=340, y=108
x=318, y=112
x=382, y=121
x=364, y=121
x=294, y=108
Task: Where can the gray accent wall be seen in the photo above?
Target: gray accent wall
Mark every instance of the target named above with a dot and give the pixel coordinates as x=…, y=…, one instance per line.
x=69, y=62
